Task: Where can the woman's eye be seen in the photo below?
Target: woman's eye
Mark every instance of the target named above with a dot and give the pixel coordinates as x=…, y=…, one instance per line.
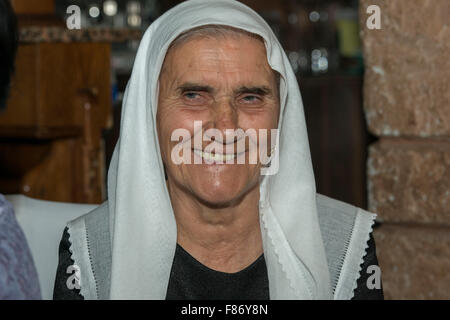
x=250, y=99
x=191, y=95
x=195, y=99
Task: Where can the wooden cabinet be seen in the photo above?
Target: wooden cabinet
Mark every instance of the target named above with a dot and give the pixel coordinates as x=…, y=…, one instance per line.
x=50, y=133
x=33, y=7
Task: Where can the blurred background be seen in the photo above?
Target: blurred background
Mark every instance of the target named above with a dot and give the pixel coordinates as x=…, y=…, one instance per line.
x=376, y=105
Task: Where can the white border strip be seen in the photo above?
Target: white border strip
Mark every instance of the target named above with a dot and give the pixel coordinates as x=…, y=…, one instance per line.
x=80, y=256
x=354, y=257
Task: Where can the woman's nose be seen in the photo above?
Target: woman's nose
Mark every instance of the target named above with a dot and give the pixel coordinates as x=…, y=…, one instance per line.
x=225, y=119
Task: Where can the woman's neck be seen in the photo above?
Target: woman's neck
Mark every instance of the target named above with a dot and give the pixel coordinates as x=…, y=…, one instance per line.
x=225, y=239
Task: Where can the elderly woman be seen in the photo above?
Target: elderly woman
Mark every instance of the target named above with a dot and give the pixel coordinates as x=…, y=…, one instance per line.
x=190, y=215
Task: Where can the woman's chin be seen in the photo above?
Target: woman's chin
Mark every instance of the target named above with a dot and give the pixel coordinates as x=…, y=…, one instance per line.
x=220, y=194
x=218, y=187
x=217, y=197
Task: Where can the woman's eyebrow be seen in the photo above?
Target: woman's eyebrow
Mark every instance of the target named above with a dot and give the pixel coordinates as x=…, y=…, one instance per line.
x=260, y=90
x=189, y=86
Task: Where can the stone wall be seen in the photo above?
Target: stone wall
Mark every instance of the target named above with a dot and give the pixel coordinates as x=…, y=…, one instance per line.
x=407, y=106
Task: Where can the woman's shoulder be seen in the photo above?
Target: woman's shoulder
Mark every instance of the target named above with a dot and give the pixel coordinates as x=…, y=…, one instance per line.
x=349, y=246
x=369, y=286
x=85, y=256
x=66, y=286
x=99, y=214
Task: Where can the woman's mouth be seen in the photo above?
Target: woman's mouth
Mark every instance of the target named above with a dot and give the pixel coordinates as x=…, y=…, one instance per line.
x=214, y=157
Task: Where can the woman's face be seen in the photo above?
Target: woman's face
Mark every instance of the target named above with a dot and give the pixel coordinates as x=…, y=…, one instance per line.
x=225, y=83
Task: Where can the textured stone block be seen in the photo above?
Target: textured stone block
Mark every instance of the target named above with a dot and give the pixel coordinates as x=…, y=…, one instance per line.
x=406, y=85
x=409, y=180
x=414, y=261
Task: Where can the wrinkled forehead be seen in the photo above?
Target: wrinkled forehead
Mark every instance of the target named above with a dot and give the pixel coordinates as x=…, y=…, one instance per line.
x=219, y=19
x=216, y=36
x=246, y=52
x=214, y=31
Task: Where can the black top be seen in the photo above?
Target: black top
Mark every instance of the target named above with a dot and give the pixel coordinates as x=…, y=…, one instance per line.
x=191, y=280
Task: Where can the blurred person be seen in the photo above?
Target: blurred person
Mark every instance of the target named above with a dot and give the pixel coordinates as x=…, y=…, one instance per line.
x=214, y=230
x=18, y=276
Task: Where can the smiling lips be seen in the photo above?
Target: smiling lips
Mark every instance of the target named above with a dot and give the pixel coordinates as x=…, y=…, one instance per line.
x=216, y=157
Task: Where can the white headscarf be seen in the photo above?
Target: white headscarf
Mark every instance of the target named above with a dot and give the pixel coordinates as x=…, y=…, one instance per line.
x=143, y=226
